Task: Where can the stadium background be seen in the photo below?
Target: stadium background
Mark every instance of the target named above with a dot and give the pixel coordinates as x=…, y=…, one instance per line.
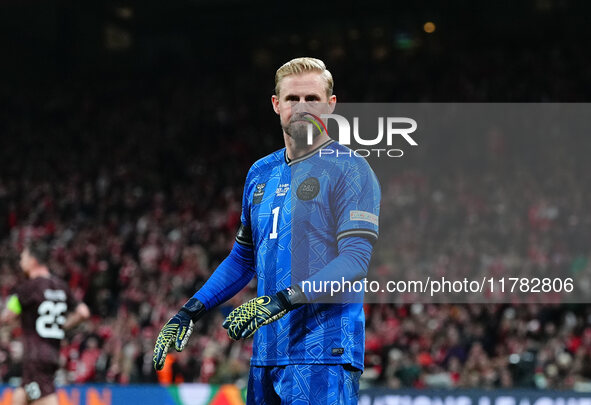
x=127, y=129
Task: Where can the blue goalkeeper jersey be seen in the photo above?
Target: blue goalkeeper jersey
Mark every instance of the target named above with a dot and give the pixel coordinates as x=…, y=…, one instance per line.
x=296, y=212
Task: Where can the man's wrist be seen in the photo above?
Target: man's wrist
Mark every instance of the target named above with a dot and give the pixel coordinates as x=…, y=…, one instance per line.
x=292, y=297
x=194, y=308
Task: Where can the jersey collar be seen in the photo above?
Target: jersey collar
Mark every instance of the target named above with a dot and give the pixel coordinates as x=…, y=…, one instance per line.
x=307, y=155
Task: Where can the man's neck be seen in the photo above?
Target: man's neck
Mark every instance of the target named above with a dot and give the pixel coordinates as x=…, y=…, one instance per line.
x=41, y=271
x=297, y=149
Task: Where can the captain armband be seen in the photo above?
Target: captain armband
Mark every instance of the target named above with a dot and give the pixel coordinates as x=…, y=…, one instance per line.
x=244, y=235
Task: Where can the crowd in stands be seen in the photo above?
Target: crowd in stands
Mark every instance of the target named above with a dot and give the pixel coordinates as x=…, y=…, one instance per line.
x=137, y=186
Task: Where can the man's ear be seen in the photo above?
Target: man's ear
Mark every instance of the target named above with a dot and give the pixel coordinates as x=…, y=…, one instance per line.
x=275, y=102
x=332, y=103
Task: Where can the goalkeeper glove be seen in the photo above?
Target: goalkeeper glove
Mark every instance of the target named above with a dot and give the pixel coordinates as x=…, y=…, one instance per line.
x=244, y=321
x=177, y=330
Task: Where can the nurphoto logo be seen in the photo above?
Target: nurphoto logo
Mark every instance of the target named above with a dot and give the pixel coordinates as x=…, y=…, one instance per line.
x=394, y=127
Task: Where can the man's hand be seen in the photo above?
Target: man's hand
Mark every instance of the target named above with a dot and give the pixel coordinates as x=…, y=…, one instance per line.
x=177, y=330
x=79, y=315
x=244, y=321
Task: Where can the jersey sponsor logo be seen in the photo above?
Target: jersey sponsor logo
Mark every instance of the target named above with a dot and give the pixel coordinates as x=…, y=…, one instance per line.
x=338, y=351
x=356, y=215
x=54, y=295
x=258, y=194
x=308, y=189
x=282, y=190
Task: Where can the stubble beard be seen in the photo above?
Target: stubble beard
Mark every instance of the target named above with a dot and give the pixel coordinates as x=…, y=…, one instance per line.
x=298, y=131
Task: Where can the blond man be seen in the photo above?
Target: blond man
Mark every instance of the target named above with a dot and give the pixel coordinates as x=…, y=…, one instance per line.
x=309, y=214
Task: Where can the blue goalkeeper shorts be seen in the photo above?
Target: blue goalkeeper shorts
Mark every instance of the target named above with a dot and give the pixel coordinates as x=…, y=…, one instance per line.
x=303, y=384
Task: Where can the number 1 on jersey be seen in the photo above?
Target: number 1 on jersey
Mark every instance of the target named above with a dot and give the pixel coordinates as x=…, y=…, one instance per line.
x=273, y=234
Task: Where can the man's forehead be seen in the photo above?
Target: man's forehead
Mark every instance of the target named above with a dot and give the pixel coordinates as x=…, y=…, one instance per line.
x=310, y=82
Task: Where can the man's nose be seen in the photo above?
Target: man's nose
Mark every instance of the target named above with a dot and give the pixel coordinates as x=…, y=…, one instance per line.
x=299, y=106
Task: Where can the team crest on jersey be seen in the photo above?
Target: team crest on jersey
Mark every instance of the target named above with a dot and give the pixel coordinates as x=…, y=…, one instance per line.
x=282, y=190
x=308, y=189
x=258, y=194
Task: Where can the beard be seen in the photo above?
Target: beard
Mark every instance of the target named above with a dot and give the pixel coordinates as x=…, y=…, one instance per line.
x=298, y=129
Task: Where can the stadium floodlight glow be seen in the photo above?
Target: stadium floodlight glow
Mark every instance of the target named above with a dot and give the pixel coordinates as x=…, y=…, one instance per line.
x=429, y=27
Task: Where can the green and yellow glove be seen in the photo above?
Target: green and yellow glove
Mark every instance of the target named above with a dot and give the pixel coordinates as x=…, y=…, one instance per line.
x=245, y=320
x=177, y=330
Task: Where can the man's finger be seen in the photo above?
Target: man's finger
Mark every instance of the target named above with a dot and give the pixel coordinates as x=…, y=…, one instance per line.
x=163, y=343
x=160, y=352
x=236, y=328
x=159, y=360
x=233, y=331
x=182, y=336
x=249, y=329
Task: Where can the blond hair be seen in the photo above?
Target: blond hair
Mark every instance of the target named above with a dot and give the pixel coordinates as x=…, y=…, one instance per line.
x=304, y=65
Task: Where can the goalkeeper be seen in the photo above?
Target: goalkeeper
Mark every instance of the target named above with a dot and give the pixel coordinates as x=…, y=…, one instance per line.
x=315, y=213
